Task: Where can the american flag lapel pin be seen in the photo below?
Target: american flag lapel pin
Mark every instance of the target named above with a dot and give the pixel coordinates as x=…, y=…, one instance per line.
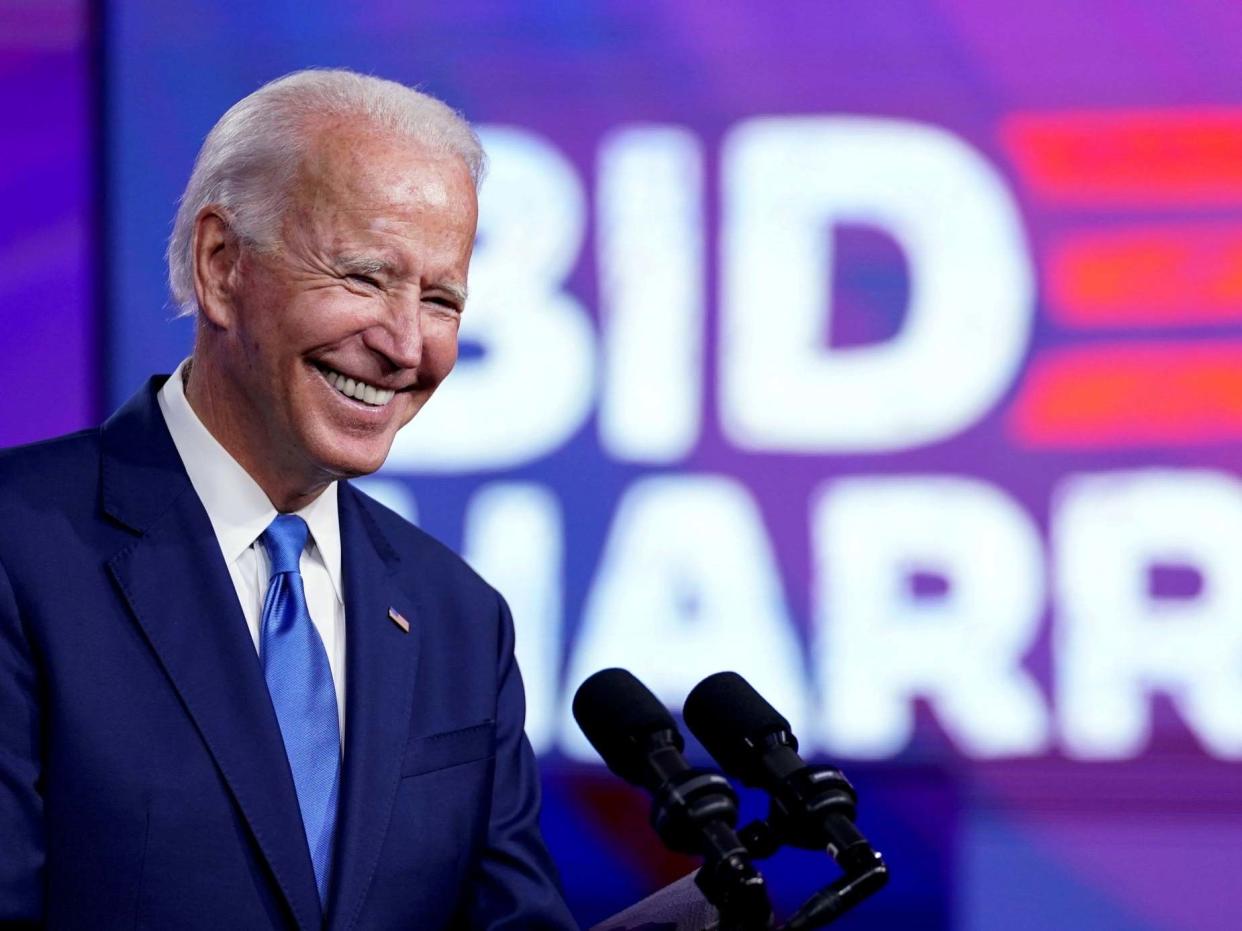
x=397, y=619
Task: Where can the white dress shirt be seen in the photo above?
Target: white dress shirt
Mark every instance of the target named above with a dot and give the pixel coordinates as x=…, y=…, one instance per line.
x=240, y=511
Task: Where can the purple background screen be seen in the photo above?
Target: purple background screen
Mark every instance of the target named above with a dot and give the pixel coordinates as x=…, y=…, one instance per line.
x=890, y=354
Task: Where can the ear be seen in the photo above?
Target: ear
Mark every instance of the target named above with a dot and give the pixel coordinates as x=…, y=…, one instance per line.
x=217, y=253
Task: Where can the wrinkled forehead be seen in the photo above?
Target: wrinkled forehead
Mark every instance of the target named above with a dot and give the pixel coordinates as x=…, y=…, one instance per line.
x=363, y=168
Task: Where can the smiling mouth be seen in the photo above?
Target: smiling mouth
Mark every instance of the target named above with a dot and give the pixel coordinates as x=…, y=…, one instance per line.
x=356, y=390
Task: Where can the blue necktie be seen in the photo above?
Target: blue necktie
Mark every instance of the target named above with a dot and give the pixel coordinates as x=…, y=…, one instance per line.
x=299, y=679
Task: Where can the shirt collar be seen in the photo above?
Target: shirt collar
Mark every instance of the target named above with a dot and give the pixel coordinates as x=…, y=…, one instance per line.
x=237, y=507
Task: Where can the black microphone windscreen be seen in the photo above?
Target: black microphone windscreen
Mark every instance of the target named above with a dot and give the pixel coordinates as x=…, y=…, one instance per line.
x=616, y=712
x=730, y=718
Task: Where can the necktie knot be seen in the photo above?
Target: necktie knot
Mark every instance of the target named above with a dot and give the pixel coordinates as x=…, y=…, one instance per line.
x=284, y=539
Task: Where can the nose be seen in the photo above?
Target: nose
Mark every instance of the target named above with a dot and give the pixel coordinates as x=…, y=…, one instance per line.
x=398, y=334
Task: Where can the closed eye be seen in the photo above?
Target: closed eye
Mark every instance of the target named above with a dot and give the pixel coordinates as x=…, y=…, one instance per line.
x=366, y=280
x=447, y=296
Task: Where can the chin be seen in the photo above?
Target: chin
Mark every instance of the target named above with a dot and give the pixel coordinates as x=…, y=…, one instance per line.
x=354, y=466
x=345, y=447
x=350, y=458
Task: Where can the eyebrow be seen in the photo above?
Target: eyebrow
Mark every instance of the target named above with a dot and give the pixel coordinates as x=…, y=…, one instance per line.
x=364, y=264
x=457, y=292
x=373, y=265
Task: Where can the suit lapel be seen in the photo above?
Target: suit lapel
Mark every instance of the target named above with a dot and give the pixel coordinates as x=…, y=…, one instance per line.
x=381, y=660
x=178, y=588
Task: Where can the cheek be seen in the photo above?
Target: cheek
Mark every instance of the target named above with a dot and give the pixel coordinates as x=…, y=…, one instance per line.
x=326, y=315
x=314, y=321
x=440, y=351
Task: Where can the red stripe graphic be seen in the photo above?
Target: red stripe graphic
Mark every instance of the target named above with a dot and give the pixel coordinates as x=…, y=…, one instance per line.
x=1167, y=275
x=1138, y=157
x=1144, y=394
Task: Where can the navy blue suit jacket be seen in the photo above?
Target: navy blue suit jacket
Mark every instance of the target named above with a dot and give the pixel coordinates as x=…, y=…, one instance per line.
x=143, y=781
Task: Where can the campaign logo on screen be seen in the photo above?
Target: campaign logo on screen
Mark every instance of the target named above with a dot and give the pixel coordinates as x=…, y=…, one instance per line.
x=992, y=478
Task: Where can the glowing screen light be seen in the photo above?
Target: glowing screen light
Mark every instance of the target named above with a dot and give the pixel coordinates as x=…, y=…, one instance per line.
x=889, y=354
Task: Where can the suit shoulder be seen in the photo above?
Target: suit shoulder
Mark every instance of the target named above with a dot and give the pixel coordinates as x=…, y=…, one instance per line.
x=412, y=541
x=50, y=470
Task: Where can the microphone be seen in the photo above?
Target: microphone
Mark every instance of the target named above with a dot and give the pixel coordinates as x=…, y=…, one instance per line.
x=813, y=807
x=693, y=810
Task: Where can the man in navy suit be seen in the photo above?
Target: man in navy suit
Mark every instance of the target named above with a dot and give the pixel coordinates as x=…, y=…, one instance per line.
x=234, y=691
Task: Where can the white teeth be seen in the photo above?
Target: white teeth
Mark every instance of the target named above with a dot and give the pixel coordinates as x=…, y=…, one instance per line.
x=358, y=390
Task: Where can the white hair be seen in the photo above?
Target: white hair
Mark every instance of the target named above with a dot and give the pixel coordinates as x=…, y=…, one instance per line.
x=251, y=156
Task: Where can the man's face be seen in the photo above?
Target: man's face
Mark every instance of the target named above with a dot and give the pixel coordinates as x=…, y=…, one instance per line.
x=343, y=332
